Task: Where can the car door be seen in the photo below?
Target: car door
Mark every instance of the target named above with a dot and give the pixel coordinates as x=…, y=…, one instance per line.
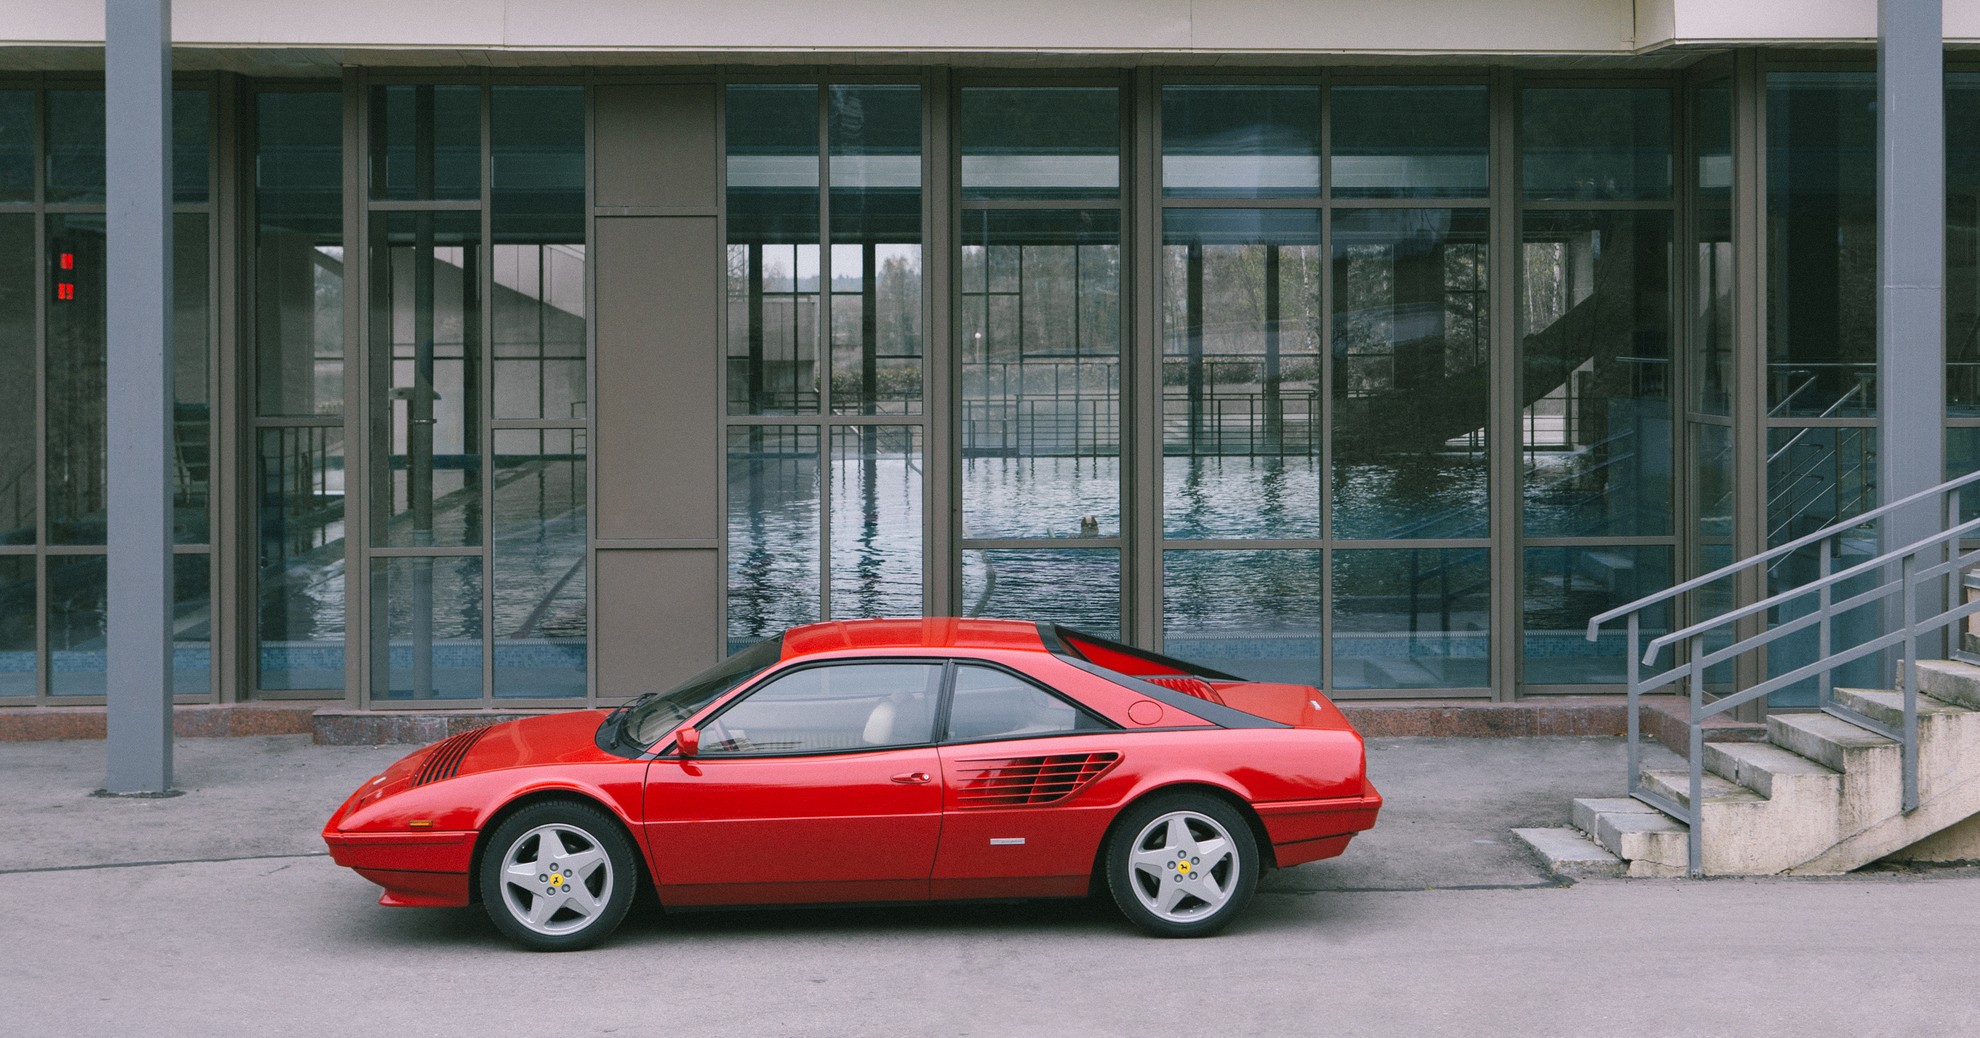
x=1017, y=761
x=822, y=785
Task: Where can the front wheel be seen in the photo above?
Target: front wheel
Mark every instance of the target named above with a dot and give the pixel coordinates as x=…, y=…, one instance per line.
x=1181, y=865
x=558, y=876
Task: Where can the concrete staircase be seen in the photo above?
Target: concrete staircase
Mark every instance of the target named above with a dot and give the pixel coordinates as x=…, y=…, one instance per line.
x=1820, y=796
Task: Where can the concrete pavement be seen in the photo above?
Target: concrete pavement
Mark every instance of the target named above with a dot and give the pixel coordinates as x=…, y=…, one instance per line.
x=1436, y=923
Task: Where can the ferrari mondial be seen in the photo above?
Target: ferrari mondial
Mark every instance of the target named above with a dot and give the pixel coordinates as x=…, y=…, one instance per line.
x=876, y=761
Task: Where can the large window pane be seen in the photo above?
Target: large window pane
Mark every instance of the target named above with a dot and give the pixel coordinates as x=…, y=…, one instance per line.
x=18, y=608
x=1078, y=588
x=1590, y=143
x=299, y=254
x=1240, y=141
x=192, y=410
x=20, y=477
x=1250, y=613
x=16, y=145
x=1962, y=247
x=875, y=140
x=192, y=624
x=426, y=379
x=539, y=252
x=876, y=521
x=426, y=628
x=77, y=392
x=1241, y=373
x=1041, y=142
x=539, y=529
x=1566, y=586
x=78, y=600
x=1041, y=351
x=299, y=612
x=773, y=257
x=1410, y=142
x=1411, y=378
x=192, y=134
x=1821, y=243
x=75, y=146
x=1595, y=327
x=773, y=531
x=425, y=142
x=1412, y=619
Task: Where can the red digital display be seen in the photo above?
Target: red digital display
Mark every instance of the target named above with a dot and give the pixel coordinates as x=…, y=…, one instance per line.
x=65, y=290
x=66, y=261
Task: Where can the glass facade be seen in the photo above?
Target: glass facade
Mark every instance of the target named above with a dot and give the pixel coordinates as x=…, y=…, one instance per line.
x=1369, y=381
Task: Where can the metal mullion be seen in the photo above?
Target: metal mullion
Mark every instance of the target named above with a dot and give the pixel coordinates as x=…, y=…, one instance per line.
x=193, y=207
x=745, y=421
x=1646, y=541
x=1141, y=472
x=353, y=177
x=722, y=331
x=1046, y=204
x=536, y=423
x=427, y=551
x=1308, y=201
x=824, y=349
x=74, y=549
x=1505, y=439
x=192, y=549
x=1325, y=271
x=590, y=551
x=1039, y=543
x=485, y=286
x=298, y=422
x=1232, y=544
x=41, y=649
x=940, y=412
x=1600, y=205
x=1821, y=423
x=1479, y=202
x=422, y=205
x=73, y=208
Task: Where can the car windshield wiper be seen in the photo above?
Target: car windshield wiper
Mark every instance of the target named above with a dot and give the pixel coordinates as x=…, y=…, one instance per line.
x=617, y=718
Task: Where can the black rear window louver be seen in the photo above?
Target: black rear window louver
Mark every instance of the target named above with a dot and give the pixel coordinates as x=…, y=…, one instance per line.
x=445, y=759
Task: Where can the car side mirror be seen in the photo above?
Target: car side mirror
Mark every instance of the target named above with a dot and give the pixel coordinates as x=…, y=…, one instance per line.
x=687, y=742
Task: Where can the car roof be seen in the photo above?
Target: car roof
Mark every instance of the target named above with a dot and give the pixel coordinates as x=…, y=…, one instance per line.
x=929, y=633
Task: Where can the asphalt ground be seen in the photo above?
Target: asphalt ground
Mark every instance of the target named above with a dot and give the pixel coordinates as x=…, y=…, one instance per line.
x=216, y=913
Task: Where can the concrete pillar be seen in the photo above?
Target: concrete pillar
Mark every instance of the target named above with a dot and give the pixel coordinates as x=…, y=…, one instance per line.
x=138, y=118
x=1911, y=265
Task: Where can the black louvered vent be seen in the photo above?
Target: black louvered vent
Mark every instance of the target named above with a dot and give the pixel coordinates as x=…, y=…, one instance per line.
x=1023, y=781
x=445, y=760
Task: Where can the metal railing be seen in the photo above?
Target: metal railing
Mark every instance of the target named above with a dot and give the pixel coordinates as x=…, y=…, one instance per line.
x=1934, y=558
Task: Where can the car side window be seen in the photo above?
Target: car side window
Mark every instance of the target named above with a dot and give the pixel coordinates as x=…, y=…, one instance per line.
x=994, y=704
x=831, y=708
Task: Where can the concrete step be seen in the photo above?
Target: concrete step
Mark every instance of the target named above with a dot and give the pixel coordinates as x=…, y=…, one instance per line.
x=1567, y=852
x=1650, y=842
x=1950, y=681
x=1717, y=790
x=1872, y=767
x=1886, y=706
x=1771, y=771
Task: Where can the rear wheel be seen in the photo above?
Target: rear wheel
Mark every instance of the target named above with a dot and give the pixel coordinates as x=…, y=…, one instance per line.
x=558, y=876
x=1181, y=865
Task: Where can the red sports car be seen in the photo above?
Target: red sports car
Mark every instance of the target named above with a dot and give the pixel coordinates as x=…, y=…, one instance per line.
x=876, y=761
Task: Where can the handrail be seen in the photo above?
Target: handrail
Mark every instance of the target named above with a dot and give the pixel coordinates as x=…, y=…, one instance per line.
x=1797, y=544
x=1927, y=568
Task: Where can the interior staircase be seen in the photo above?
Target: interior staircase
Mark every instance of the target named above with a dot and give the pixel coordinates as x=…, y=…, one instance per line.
x=1821, y=796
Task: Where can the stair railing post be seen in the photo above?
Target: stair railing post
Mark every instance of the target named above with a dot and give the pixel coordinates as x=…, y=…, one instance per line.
x=1826, y=681
x=1909, y=567
x=1635, y=703
x=1696, y=680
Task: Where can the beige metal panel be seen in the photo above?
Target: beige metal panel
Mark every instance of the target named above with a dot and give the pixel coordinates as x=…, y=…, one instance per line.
x=1773, y=20
x=659, y=145
x=1099, y=25
x=658, y=621
x=658, y=362
x=1451, y=26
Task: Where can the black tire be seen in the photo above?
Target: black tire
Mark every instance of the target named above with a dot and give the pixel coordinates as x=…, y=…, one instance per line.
x=571, y=906
x=1189, y=897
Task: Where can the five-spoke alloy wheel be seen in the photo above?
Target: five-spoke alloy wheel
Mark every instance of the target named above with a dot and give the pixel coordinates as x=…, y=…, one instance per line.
x=1181, y=864
x=558, y=876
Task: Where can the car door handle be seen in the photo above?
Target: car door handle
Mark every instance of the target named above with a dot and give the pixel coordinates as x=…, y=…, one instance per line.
x=913, y=778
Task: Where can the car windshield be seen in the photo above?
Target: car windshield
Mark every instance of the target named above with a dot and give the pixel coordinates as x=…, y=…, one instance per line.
x=655, y=717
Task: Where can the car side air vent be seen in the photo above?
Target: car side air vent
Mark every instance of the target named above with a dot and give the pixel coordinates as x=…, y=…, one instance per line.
x=1025, y=781
x=445, y=760
x=1197, y=687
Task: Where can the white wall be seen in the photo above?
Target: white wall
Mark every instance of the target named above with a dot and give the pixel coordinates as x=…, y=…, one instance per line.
x=1015, y=27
